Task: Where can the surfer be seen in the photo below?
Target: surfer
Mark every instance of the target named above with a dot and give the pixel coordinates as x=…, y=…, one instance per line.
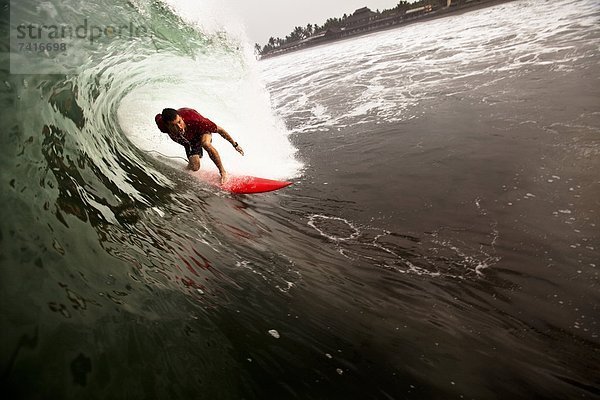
x=194, y=132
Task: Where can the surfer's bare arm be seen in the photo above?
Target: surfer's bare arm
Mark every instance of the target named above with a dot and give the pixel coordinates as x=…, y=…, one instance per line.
x=228, y=137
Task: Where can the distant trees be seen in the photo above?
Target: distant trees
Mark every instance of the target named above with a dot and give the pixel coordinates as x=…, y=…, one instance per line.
x=309, y=29
x=402, y=7
x=301, y=33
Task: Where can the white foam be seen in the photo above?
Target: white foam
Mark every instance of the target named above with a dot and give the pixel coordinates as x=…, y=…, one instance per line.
x=382, y=77
x=313, y=222
x=210, y=16
x=274, y=333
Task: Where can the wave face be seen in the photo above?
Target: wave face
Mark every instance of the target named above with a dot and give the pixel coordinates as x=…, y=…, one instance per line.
x=96, y=227
x=440, y=238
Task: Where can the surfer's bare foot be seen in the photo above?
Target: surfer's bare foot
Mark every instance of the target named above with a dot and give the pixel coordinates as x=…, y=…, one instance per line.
x=224, y=177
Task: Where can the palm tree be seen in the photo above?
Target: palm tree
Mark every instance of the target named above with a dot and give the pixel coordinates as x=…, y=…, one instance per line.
x=309, y=30
x=298, y=33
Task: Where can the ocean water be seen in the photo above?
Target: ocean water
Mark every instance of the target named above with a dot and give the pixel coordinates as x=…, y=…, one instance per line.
x=440, y=240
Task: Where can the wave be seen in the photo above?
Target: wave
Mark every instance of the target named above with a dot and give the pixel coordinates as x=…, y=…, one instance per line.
x=94, y=123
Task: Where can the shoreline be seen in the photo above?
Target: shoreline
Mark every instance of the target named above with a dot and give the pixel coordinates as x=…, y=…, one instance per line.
x=442, y=13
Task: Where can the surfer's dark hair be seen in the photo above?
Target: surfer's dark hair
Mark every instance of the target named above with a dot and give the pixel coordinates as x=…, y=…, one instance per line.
x=169, y=114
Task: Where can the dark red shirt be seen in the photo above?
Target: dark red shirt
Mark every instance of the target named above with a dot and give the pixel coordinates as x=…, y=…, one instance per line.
x=196, y=126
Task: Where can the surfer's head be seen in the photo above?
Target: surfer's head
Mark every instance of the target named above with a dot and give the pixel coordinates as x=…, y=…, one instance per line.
x=173, y=121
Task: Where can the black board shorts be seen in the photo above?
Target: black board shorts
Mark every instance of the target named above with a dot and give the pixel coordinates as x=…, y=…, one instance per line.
x=194, y=148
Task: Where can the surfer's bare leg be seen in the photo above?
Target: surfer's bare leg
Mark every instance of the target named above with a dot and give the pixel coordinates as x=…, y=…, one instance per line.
x=214, y=155
x=194, y=162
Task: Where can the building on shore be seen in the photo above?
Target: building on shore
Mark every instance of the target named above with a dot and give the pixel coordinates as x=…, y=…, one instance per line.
x=364, y=20
x=361, y=16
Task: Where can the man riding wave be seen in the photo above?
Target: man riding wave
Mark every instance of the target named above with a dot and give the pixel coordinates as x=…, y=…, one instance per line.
x=194, y=132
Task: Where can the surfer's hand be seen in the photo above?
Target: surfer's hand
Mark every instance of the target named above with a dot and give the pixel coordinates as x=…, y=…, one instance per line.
x=239, y=149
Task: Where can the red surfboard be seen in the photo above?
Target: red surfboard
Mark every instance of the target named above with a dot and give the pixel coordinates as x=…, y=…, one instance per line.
x=243, y=184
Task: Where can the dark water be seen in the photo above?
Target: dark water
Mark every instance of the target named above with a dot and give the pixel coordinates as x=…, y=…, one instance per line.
x=440, y=242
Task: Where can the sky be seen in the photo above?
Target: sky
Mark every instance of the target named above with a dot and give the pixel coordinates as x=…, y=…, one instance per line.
x=277, y=18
